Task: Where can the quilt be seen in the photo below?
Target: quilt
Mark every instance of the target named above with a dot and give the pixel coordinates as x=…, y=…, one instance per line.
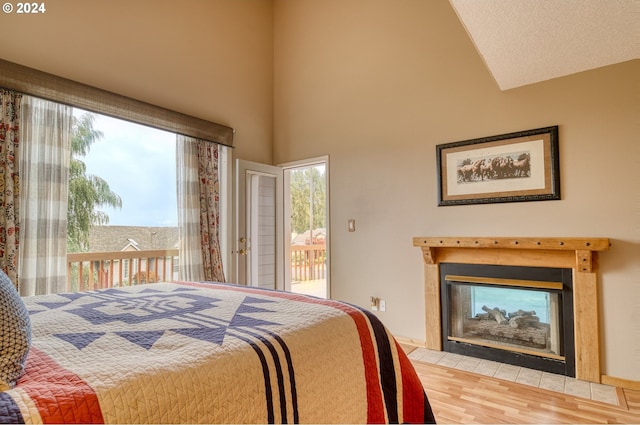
x=204, y=352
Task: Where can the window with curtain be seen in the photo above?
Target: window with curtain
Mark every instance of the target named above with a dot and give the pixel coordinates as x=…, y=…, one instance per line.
x=110, y=203
x=17, y=80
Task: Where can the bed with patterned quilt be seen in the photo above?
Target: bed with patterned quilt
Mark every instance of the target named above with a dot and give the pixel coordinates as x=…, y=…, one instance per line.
x=192, y=352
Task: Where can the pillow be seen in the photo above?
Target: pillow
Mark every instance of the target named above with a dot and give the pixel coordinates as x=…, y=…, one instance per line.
x=15, y=333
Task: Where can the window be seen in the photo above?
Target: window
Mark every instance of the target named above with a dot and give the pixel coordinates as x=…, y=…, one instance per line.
x=138, y=163
x=122, y=218
x=37, y=84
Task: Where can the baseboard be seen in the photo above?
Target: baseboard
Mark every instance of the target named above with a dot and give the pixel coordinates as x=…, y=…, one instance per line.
x=410, y=341
x=620, y=382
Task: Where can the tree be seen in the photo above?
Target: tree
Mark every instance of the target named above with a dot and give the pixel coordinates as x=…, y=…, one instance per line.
x=301, y=184
x=87, y=193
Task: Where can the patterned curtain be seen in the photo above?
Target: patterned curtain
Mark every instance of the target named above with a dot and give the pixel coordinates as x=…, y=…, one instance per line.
x=188, y=196
x=45, y=159
x=198, y=209
x=209, y=183
x=9, y=182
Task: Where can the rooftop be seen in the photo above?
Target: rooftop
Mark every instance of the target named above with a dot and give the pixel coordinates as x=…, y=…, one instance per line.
x=120, y=238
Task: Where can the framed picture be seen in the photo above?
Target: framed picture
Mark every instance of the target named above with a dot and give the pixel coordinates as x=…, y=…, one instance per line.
x=514, y=167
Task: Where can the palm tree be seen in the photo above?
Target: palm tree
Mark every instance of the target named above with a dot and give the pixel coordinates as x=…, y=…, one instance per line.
x=86, y=192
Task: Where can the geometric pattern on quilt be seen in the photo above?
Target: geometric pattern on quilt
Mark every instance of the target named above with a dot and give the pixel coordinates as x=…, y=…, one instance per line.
x=15, y=333
x=186, y=308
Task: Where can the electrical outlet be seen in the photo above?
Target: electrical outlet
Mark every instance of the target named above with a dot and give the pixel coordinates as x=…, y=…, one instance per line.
x=382, y=305
x=374, y=303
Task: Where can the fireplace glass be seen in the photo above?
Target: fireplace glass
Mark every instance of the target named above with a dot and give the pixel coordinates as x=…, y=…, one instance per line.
x=509, y=314
x=510, y=318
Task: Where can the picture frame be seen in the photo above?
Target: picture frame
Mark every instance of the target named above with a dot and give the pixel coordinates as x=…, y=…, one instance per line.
x=513, y=167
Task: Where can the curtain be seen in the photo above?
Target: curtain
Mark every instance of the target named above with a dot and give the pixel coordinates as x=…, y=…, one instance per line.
x=209, y=184
x=9, y=182
x=198, y=210
x=45, y=159
x=188, y=197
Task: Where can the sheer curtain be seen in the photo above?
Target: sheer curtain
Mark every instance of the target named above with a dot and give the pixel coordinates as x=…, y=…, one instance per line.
x=9, y=182
x=44, y=166
x=198, y=187
x=188, y=195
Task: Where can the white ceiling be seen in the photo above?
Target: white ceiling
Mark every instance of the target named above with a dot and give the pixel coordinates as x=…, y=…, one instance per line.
x=527, y=41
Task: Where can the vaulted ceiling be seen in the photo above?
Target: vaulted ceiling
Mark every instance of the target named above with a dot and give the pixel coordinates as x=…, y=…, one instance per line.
x=528, y=41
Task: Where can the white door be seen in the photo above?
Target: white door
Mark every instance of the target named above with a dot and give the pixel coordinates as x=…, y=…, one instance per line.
x=259, y=241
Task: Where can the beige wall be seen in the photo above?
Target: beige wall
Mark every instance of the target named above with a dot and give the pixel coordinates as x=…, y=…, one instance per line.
x=212, y=59
x=377, y=84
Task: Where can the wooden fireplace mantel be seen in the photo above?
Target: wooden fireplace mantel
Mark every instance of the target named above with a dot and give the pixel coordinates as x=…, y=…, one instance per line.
x=578, y=254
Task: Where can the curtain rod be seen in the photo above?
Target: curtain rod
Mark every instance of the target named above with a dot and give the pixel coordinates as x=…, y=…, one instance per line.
x=62, y=90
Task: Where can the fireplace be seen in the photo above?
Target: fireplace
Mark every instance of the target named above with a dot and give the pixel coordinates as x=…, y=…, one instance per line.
x=511, y=314
x=576, y=256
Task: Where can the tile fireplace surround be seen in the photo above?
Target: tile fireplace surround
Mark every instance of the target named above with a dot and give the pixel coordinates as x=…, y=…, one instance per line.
x=578, y=254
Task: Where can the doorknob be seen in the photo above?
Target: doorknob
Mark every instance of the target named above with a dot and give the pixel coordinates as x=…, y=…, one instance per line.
x=242, y=251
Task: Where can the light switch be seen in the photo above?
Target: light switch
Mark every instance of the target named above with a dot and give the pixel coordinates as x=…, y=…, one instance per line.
x=352, y=225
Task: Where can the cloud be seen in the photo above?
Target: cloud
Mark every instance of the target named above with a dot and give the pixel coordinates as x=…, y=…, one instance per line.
x=139, y=164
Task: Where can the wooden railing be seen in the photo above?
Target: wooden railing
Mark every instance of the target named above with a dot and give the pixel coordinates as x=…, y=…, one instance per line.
x=96, y=270
x=308, y=262
x=87, y=271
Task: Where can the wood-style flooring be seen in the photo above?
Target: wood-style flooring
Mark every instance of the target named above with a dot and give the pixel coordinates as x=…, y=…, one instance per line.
x=462, y=397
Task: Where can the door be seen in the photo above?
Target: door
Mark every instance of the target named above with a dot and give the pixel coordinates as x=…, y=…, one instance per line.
x=258, y=234
x=306, y=223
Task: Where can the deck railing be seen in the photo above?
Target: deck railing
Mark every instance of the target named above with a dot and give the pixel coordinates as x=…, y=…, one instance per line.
x=308, y=262
x=87, y=271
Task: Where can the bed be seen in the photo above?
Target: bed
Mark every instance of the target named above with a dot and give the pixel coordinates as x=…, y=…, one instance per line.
x=192, y=352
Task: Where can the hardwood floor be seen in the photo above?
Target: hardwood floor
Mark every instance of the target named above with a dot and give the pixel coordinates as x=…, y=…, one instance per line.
x=462, y=397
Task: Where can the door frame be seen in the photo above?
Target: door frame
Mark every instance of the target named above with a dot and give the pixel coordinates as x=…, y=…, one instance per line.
x=286, y=230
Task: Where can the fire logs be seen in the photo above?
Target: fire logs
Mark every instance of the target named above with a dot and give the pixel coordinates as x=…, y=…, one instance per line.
x=519, y=327
x=496, y=314
x=517, y=319
x=523, y=319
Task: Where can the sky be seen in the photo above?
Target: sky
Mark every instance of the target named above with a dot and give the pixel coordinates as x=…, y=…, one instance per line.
x=139, y=164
